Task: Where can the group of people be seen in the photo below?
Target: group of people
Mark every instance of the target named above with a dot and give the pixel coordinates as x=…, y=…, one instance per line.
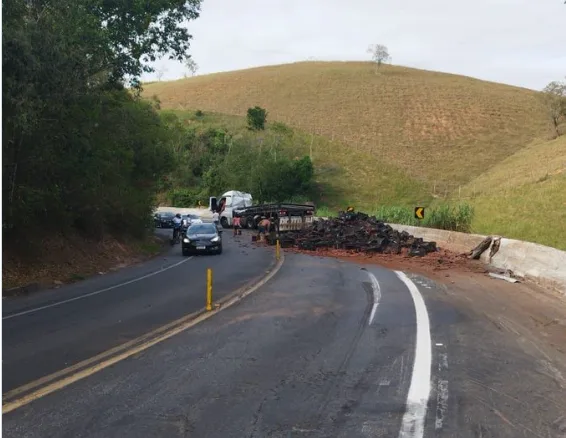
x=265, y=224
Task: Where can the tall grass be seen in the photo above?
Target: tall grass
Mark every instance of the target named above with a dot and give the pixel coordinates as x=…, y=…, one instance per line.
x=444, y=216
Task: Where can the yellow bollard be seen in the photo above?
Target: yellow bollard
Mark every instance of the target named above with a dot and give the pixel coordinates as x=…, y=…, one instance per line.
x=277, y=250
x=209, y=289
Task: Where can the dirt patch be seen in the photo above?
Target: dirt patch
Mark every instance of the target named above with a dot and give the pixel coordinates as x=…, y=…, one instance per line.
x=60, y=260
x=438, y=265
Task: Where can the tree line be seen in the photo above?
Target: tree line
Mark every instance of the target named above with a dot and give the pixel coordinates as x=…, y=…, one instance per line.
x=81, y=150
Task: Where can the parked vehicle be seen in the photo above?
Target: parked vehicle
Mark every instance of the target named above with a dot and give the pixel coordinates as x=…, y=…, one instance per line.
x=227, y=203
x=202, y=238
x=189, y=219
x=163, y=219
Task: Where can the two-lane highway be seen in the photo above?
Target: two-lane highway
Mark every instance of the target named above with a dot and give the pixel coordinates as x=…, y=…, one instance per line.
x=326, y=348
x=55, y=329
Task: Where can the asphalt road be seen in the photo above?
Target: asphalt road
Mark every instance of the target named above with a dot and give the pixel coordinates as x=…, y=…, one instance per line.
x=51, y=330
x=325, y=349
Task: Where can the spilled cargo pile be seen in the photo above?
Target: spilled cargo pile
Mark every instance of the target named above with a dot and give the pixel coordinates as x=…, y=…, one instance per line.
x=356, y=232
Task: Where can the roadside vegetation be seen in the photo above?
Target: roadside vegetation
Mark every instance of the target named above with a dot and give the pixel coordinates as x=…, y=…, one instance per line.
x=82, y=153
x=453, y=217
x=524, y=196
x=212, y=158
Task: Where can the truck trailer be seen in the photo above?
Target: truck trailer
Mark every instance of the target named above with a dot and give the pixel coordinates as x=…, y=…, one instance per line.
x=284, y=216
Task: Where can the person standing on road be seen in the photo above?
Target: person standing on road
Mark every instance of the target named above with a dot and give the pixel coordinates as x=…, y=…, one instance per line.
x=236, y=224
x=176, y=225
x=262, y=227
x=216, y=218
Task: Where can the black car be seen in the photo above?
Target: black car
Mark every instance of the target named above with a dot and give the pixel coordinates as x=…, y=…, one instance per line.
x=202, y=238
x=164, y=219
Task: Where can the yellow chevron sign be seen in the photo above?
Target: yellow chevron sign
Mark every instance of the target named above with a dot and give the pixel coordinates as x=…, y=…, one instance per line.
x=419, y=212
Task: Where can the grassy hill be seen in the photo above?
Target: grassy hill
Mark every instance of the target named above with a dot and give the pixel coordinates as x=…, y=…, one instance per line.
x=405, y=137
x=439, y=128
x=524, y=196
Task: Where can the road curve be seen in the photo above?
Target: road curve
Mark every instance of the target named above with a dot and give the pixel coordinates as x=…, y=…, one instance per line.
x=55, y=329
x=325, y=349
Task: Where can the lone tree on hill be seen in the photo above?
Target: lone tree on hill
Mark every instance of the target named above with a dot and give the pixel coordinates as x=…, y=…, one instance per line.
x=192, y=66
x=379, y=54
x=256, y=118
x=555, y=98
x=160, y=72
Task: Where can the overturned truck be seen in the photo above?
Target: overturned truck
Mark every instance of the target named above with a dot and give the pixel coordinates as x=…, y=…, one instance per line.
x=356, y=232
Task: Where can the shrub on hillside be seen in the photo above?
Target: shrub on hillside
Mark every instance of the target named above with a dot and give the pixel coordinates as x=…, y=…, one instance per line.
x=444, y=217
x=257, y=117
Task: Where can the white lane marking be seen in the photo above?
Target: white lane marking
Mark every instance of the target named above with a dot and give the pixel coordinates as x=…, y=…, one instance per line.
x=58, y=303
x=419, y=391
x=376, y=296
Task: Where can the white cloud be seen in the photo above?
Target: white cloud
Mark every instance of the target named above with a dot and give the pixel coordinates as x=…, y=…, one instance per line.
x=520, y=42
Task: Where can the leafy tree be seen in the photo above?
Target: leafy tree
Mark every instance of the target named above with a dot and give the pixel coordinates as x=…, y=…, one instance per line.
x=79, y=151
x=192, y=66
x=257, y=117
x=379, y=54
x=555, y=98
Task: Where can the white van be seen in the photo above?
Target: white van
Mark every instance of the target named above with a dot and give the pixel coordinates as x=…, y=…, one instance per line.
x=228, y=202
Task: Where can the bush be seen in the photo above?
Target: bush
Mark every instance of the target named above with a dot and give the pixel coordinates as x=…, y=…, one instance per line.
x=257, y=117
x=444, y=217
x=183, y=198
x=199, y=114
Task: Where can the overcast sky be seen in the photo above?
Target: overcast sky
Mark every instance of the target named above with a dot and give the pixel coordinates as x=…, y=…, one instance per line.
x=520, y=42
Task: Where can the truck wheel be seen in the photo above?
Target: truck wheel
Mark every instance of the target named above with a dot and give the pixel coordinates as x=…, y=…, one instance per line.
x=250, y=222
x=224, y=222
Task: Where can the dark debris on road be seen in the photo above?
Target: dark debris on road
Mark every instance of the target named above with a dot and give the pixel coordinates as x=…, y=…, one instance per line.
x=356, y=232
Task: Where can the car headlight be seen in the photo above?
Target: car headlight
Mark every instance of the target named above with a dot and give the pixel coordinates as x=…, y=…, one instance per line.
x=215, y=239
x=186, y=240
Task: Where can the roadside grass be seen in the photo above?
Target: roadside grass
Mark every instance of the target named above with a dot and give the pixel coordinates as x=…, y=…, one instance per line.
x=524, y=197
x=343, y=176
x=438, y=128
x=456, y=217
x=149, y=247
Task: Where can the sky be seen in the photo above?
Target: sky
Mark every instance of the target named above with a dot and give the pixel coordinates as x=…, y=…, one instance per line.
x=518, y=42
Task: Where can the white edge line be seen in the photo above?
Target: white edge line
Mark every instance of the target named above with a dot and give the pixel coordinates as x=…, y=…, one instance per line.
x=419, y=391
x=90, y=294
x=376, y=296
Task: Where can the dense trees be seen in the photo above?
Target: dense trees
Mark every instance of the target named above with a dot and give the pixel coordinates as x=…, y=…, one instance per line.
x=79, y=149
x=212, y=160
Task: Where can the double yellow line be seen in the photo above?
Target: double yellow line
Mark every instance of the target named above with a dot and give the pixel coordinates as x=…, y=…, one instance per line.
x=46, y=385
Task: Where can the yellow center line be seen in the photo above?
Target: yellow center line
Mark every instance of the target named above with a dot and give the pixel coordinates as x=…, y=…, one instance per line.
x=147, y=341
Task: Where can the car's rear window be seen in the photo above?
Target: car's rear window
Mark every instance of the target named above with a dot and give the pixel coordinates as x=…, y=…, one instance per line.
x=202, y=229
